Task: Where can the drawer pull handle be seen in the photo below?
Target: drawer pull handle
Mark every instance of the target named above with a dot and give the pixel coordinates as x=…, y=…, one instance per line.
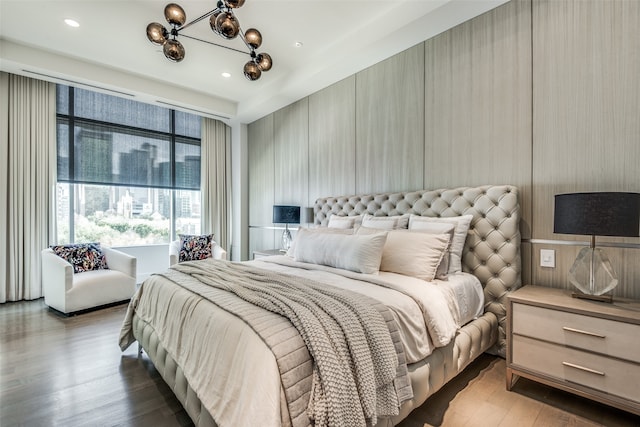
x=582, y=368
x=579, y=331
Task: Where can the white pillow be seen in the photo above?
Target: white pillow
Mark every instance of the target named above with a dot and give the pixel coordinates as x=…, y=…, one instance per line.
x=385, y=222
x=414, y=254
x=462, y=224
x=336, y=221
x=292, y=249
x=360, y=253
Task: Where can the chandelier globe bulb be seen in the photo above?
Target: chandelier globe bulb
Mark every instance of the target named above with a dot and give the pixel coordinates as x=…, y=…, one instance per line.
x=173, y=50
x=175, y=15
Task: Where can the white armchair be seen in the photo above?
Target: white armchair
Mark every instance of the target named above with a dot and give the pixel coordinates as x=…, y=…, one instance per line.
x=69, y=292
x=174, y=252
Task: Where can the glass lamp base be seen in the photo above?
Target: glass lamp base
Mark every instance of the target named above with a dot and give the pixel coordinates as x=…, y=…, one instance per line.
x=592, y=272
x=286, y=239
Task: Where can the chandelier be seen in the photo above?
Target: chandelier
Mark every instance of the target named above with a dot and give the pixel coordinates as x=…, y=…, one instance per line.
x=223, y=22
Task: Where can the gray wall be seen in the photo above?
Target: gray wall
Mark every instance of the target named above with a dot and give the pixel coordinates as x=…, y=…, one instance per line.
x=543, y=95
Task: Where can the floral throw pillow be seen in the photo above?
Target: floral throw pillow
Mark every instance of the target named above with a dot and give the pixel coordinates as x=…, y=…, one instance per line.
x=82, y=256
x=194, y=247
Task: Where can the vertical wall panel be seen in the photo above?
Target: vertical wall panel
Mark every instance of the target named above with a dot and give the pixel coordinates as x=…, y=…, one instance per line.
x=291, y=150
x=586, y=110
x=390, y=124
x=261, y=180
x=332, y=140
x=478, y=103
x=263, y=238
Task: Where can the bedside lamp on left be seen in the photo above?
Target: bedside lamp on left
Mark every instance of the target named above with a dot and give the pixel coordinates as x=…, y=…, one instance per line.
x=286, y=215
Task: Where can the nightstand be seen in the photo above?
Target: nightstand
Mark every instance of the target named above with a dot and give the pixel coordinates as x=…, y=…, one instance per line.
x=267, y=252
x=584, y=347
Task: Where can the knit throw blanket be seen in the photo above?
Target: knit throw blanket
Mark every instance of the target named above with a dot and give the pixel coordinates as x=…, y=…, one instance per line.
x=359, y=370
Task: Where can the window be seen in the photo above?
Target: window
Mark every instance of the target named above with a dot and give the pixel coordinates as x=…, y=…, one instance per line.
x=128, y=172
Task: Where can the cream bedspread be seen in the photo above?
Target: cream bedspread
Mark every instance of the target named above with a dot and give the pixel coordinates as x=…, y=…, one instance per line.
x=242, y=387
x=428, y=313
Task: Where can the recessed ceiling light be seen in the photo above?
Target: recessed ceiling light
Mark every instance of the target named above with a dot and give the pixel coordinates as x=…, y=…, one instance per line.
x=298, y=44
x=226, y=75
x=71, y=23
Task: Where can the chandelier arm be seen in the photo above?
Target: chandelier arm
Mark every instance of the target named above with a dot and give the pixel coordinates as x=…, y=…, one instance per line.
x=216, y=44
x=206, y=15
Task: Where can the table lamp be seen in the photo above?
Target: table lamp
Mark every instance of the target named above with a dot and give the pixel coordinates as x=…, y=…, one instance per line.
x=596, y=214
x=286, y=215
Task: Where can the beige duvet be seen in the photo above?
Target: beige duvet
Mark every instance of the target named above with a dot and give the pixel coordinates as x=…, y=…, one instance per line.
x=242, y=383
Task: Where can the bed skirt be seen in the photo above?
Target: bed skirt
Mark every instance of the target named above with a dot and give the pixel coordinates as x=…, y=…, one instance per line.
x=427, y=376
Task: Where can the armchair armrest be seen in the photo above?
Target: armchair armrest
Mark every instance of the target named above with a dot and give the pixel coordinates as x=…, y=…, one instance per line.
x=57, y=271
x=174, y=252
x=120, y=261
x=218, y=252
x=57, y=279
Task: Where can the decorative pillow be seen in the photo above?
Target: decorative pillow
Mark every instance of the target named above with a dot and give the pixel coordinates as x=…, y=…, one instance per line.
x=336, y=221
x=359, y=253
x=414, y=254
x=461, y=223
x=82, y=256
x=439, y=228
x=385, y=222
x=195, y=247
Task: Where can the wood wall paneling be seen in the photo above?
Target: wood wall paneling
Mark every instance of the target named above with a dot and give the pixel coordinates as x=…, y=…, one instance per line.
x=390, y=124
x=291, y=151
x=526, y=257
x=332, y=140
x=261, y=172
x=261, y=182
x=586, y=104
x=262, y=239
x=478, y=104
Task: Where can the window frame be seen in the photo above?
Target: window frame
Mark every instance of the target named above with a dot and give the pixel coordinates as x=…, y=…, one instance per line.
x=174, y=139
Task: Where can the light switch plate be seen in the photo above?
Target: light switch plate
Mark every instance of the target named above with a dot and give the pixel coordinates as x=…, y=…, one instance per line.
x=547, y=258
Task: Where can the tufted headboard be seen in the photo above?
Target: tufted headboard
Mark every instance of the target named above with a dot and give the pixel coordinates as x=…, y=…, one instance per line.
x=492, y=248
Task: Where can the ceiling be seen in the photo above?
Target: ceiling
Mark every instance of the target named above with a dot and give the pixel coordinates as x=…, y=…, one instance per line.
x=109, y=50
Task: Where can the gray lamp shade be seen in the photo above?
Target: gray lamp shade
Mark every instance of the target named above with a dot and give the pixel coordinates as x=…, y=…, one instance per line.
x=598, y=214
x=286, y=214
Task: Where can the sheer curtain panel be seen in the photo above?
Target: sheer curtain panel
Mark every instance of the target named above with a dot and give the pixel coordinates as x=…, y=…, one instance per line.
x=27, y=182
x=216, y=180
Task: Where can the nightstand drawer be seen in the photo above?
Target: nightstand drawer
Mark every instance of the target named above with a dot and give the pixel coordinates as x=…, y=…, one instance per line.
x=607, y=337
x=610, y=376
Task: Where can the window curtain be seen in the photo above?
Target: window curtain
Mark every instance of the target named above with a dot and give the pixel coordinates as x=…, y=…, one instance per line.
x=215, y=178
x=27, y=182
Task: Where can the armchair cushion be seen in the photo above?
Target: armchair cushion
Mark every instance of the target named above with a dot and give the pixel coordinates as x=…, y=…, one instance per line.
x=82, y=256
x=194, y=247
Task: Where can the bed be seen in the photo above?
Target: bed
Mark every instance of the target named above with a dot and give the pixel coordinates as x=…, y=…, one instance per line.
x=223, y=373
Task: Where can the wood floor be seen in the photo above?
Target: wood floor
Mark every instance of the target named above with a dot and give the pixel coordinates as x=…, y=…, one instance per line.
x=57, y=371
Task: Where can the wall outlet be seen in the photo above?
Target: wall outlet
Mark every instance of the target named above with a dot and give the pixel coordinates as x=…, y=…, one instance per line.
x=547, y=258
